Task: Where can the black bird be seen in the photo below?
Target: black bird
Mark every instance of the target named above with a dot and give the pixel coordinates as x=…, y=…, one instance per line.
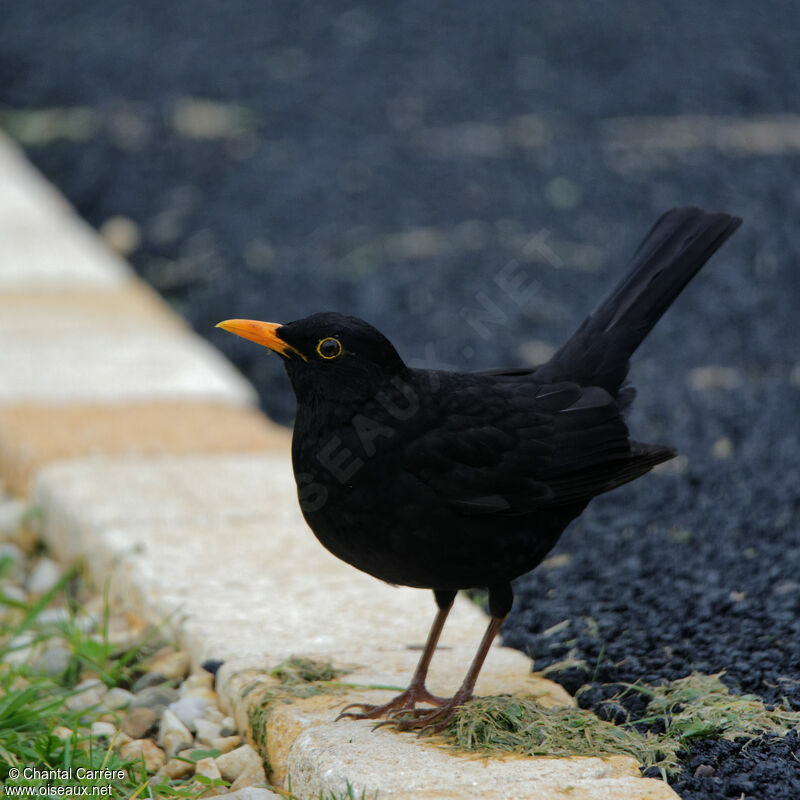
x=448, y=480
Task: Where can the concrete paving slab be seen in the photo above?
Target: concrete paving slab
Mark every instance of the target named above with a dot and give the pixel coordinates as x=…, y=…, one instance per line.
x=117, y=366
x=33, y=435
x=324, y=756
x=90, y=312
x=45, y=244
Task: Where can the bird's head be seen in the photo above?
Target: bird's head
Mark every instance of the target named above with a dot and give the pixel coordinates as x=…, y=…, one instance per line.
x=326, y=355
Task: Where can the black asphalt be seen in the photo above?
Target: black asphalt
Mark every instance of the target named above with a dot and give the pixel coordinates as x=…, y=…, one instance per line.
x=407, y=162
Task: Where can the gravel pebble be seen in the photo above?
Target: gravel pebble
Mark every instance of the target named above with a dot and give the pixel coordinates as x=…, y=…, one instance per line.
x=155, y=697
x=138, y=721
x=253, y=776
x=104, y=730
x=178, y=768
x=89, y=693
x=54, y=660
x=236, y=762
x=12, y=552
x=172, y=666
x=154, y=756
x=16, y=593
x=198, y=680
x=208, y=768
x=173, y=735
x=53, y=617
x=226, y=743
x=121, y=740
x=206, y=730
x=188, y=709
x=149, y=679
x=12, y=513
x=45, y=574
x=117, y=698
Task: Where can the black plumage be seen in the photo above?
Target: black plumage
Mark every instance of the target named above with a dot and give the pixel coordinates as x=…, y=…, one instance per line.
x=446, y=480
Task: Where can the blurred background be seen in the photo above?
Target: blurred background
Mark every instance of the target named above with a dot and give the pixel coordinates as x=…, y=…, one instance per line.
x=388, y=159
x=400, y=161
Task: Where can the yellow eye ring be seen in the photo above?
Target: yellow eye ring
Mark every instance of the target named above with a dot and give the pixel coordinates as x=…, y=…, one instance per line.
x=329, y=348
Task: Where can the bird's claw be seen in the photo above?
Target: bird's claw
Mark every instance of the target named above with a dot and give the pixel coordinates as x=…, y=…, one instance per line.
x=366, y=712
x=422, y=720
x=408, y=712
x=404, y=703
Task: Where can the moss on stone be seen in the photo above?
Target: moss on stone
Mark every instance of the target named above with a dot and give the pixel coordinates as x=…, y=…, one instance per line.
x=498, y=725
x=297, y=670
x=296, y=678
x=695, y=707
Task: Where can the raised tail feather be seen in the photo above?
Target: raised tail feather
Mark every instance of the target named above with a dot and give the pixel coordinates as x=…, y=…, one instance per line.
x=672, y=253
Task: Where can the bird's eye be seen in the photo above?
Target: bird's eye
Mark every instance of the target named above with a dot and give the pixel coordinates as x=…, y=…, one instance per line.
x=329, y=348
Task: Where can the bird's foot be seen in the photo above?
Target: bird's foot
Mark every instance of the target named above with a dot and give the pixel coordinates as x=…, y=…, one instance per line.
x=404, y=702
x=426, y=720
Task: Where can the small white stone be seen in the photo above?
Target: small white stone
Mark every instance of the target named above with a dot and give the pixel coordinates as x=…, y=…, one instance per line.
x=714, y=376
x=11, y=515
x=722, y=449
x=226, y=743
x=209, y=696
x=188, y=709
x=206, y=730
x=11, y=552
x=89, y=693
x=207, y=768
x=85, y=623
x=156, y=698
x=54, y=660
x=214, y=715
x=173, y=735
x=21, y=649
x=252, y=776
x=242, y=759
x=159, y=776
x=154, y=757
x=117, y=699
x=121, y=739
x=53, y=616
x=43, y=577
x=173, y=666
x=179, y=768
x=103, y=730
x=16, y=593
x=121, y=234
x=197, y=680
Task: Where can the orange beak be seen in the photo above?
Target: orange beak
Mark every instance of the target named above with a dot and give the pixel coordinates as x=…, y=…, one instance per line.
x=263, y=333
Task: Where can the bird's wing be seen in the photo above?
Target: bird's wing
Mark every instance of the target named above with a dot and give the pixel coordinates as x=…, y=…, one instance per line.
x=513, y=446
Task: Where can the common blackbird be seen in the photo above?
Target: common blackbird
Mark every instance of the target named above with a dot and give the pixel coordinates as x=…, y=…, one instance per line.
x=449, y=480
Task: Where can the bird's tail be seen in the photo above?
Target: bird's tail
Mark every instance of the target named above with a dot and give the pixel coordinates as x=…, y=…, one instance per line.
x=671, y=254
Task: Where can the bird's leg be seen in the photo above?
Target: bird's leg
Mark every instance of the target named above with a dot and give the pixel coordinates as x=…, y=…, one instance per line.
x=416, y=691
x=430, y=721
x=435, y=719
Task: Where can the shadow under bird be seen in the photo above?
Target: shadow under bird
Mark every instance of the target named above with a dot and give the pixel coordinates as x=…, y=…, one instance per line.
x=449, y=480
